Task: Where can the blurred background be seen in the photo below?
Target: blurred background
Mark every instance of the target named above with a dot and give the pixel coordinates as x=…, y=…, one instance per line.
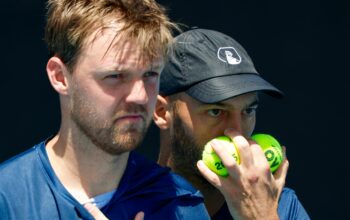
x=302, y=47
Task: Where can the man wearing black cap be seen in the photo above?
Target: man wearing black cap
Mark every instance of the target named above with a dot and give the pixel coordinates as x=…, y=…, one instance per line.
x=210, y=88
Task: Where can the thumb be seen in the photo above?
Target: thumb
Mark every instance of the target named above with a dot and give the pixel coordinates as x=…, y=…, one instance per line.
x=140, y=216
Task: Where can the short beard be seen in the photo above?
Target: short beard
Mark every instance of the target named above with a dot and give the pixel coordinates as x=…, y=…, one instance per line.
x=112, y=140
x=105, y=134
x=185, y=151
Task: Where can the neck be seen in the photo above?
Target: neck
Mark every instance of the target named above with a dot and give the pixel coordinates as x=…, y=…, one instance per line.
x=213, y=199
x=84, y=169
x=165, y=149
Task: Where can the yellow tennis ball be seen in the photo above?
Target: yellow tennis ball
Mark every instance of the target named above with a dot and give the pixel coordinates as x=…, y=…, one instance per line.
x=212, y=160
x=272, y=149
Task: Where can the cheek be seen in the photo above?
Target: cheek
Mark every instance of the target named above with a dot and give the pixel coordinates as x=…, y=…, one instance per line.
x=205, y=134
x=94, y=99
x=204, y=131
x=152, y=90
x=102, y=100
x=249, y=127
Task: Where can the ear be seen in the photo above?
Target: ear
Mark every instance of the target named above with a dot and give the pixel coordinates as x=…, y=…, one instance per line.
x=161, y=115
x=57, y=73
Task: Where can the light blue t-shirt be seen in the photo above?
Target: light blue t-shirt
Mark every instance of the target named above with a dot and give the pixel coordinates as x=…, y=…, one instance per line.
x=101, y=200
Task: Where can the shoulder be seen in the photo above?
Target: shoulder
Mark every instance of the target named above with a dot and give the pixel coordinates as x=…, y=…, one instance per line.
x=16, y=175
x=18, y=162
x=24, y=179
x=148, y=171
x=18, y=168
x=160, y=192
x=289, y=206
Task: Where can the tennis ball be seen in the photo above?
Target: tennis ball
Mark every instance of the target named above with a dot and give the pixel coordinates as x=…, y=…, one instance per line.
x=272, y=149
x=212, y=160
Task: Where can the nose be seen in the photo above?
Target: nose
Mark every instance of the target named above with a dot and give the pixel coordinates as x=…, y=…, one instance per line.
x=137, y=93
x=235, y=122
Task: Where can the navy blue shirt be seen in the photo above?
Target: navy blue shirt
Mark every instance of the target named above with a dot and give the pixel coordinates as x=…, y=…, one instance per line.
x=29, y=189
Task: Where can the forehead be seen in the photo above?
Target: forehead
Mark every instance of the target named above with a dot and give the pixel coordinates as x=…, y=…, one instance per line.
x=240, y=101
x=244, y=99
x=111, y=43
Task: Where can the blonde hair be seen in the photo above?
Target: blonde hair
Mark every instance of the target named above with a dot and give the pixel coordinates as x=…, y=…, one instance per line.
x=71, y=22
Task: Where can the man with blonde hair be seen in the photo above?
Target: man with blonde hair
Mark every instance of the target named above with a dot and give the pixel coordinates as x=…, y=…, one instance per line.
x=105, y=61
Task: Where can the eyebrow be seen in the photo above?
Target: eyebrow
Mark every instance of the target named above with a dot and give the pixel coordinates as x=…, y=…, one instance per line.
x=222, y=104
x=156, y=65
x=114, y=68
x=255, y=102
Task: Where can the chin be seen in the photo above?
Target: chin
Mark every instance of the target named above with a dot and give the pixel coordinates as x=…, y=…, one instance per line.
x=125, y=143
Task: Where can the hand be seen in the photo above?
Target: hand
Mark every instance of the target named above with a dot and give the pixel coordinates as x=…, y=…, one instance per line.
x=250, y=190
x=98, y=215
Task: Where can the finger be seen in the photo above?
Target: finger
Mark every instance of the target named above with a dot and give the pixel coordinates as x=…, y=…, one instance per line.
x=222, y=149
x=284, y=151
x=209, y=175
x=281, y=173
x=245, y=152
x=95, y=212
x=140, y=216
x=259, y=158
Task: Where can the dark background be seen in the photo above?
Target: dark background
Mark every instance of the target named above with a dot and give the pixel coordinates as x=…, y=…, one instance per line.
x=302, y=47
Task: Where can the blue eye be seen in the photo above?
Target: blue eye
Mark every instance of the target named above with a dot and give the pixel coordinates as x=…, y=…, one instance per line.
x=215, y=112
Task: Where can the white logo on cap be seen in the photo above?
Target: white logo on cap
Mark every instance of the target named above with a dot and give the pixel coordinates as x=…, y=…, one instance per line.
x=229, y=55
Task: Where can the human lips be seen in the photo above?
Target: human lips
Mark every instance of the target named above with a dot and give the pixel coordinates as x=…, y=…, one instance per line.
x=130, y=117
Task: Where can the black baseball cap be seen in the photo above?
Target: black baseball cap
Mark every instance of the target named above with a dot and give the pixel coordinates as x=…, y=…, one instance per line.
x=211, y=67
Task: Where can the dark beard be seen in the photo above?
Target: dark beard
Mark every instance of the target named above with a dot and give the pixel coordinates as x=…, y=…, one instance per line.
x=186, y=152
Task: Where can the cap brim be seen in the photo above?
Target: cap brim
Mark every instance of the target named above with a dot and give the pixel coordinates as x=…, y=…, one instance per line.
x=225, y=87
